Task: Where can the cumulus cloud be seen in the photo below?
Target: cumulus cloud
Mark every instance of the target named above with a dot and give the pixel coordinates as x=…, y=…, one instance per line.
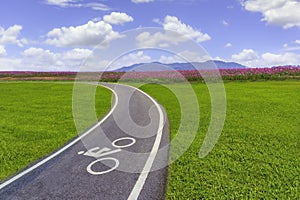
x=228, y=45
x=175, y=32
x=145, y=39
x=251, y=58
x=284, y=13
x=141, y=1
x=174, y=24
x=2, y=51
x=11, y=35
x=87, y=35
x=77, y=4
x=38, y=57
x=271, y=59
x=10, y=64
x=132, y=58
x=117, y=18
x=297, y=42
x=77, y=54
x=43, y=59
x=246, y=55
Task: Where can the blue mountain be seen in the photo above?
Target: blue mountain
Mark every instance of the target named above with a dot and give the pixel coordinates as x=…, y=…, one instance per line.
x=157, y=66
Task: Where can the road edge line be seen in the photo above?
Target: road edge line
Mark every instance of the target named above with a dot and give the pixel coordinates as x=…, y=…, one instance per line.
x=135, y=192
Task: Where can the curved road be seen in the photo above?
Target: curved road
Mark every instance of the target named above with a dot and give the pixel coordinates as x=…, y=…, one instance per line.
x=118, y=158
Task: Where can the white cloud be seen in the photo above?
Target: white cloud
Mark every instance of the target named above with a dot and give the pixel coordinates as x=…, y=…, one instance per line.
x=228, y=45
x=294, y=46
x=145, y=39
x=157, y=21
x=45, y=60
x=170, y=59
x=174, y=24
x=96, y=6
x=2, y=51
x=36, y=58
x=77, y=4
x=10, y=64
x=61, y=3
x=117, y=18
x=97, y=19
x=246, y=55
x=130, y=59
x=271, y=59
x=284, y=13
x=175, y=32
x=141, y=1
x=11, y=35
x=251, y=58
x=77, y=54
x=225, y=23
x=87, y=35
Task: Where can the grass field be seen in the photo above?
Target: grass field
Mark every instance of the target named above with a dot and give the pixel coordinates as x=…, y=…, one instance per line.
x=258, y=153
x=36, y=119
x=256, y=157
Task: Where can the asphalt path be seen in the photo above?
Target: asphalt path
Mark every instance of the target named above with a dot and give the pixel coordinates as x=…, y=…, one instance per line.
x=124, y=156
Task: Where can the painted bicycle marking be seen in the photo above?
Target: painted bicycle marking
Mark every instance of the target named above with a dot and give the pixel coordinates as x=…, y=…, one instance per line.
x=100, y=154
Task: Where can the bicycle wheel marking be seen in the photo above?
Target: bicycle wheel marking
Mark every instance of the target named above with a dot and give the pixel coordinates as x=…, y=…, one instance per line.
x=89, y=167
x=123, y=146
x=97, y=153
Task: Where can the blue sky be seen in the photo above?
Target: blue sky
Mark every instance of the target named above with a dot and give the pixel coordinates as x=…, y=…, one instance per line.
x=46, y=35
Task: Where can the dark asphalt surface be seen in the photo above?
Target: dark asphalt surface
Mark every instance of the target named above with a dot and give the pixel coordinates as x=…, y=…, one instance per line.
x=135, y=119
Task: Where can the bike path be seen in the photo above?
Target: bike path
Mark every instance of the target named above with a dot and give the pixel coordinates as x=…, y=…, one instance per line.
x=114, y=160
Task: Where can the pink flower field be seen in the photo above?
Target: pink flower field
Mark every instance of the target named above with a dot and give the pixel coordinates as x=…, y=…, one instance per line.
x=250, y=74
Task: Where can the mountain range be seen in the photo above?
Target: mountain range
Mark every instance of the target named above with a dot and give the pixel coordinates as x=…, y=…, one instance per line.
x=157, y=66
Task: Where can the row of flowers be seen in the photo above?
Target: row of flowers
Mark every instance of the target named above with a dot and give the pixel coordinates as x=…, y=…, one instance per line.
x=275, y=73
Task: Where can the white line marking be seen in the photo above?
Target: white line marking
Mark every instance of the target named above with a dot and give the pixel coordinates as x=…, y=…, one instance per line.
x=89, y=167
x=144, y=174
x=100, y=153
x=64, y=148
x=123, y=146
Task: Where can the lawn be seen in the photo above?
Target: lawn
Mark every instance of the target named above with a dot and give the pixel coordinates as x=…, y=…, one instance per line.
x=258, y=153
x=36, y=119
x=256, y=157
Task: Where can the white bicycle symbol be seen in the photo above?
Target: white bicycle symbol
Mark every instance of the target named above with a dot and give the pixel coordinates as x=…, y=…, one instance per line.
x=98, y=153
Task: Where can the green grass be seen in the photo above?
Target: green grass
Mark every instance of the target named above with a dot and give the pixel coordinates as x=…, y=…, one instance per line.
x=258, y=153
x=256, y=157
x=36, y=119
